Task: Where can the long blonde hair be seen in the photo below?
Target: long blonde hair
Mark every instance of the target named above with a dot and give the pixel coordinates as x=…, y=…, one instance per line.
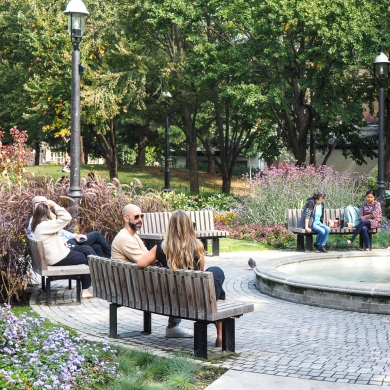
x=180, y=244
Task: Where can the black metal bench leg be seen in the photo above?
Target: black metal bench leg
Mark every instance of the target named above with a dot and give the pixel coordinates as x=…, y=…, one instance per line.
x=70, y=284
x=43, y=283
x=200, y=339
x=215, y=246
x=228, y=335
x=48, y=292
x=204, y=242
x=78, y=289
x=300, y=243
x=147, y=322
x=309, y=243
x=114, y=320
x=361, y=242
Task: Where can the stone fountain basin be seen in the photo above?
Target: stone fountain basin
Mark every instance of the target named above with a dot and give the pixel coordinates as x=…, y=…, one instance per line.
x=368, y=298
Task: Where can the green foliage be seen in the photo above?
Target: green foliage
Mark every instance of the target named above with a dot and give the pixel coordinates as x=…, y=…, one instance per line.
x=217, y=202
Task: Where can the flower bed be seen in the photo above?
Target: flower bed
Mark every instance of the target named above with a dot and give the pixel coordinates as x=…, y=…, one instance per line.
x=34, y=356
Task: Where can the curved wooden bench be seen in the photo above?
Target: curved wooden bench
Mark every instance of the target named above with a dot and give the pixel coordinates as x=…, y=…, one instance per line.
x=183, y=293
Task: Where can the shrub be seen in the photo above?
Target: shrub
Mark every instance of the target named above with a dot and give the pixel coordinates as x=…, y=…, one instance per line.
x=15, y=156
x=275, y=190
x=217, y=202
x=276, y=236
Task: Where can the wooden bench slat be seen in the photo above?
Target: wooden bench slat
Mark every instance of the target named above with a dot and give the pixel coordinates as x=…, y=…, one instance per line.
x=136, y=287
x=158, y=294
x=150, y=290
x=190, y=293
x=182, y=293
x=173, y=293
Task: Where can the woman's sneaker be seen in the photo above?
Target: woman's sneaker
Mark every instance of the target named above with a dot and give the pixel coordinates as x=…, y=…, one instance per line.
x=177, y=332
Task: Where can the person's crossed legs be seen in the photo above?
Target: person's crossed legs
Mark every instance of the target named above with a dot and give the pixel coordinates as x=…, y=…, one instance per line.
x=97, y=242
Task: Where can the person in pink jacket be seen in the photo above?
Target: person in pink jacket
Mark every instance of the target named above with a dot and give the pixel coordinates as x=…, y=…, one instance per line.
x=370, y=217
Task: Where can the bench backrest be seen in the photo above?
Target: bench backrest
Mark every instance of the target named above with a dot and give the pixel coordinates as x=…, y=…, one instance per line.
x=186, y=294
x=294, y=215
x=158, y=222
x=37, y=255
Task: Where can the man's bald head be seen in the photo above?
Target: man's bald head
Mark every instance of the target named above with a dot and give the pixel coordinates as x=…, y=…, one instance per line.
x=132, y=215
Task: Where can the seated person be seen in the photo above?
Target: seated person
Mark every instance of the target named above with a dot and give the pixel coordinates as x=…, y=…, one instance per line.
x=66, y=166
x=127, y=246
x=93, y=239
x=46, y=229
x=370, y=217
x=182, y=250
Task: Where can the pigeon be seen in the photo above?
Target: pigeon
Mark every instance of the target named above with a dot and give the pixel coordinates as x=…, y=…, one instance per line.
x=251, y=263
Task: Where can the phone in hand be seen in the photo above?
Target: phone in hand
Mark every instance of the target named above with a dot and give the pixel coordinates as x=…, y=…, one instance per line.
x=82, y=239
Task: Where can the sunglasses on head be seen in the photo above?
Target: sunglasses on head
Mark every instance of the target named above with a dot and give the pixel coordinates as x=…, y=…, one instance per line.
x=139, y=215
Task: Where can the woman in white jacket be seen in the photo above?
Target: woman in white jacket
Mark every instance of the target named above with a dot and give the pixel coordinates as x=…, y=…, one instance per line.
x=57, y=253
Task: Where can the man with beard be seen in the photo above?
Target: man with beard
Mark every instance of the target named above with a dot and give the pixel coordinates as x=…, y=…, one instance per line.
x=127, y=246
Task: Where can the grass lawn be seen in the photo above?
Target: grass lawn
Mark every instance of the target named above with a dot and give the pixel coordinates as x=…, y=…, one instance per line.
x=230, y=245
x=150, y=177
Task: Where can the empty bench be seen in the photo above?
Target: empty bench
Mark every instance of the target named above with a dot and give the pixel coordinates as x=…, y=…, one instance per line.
x=71, y=272
x=305, y=240
x=185, y=294
x=154, y=227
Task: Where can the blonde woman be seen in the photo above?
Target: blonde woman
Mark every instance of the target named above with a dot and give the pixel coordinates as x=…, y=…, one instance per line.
x=182, y=250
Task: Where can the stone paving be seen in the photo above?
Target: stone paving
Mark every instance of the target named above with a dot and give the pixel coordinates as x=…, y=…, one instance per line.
x=278, y=338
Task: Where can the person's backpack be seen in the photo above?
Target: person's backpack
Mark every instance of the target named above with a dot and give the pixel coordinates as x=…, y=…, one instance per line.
x=351, y=215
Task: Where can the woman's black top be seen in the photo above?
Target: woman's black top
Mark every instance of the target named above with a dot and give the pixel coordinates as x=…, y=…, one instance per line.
x=160, y=255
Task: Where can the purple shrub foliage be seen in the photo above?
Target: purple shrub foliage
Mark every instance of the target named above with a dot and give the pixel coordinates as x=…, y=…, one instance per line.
x=37, y=357
x=101, y=209
x=274, y=190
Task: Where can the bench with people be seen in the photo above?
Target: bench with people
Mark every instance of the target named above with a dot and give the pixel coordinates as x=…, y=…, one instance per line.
x=315, y=219
x=180, y=250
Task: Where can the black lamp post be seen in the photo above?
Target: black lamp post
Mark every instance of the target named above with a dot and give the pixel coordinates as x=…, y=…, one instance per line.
x=77, y=13
x=381, y=66
x=167, y=173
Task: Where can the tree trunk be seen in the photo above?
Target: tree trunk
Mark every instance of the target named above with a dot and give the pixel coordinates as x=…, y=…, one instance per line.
x=272, y=162
x=210, y=160
x=192, y=144
x=329, y=152
x=108, y=144
x=313, y=149
x=141, y=155
x=37, y=152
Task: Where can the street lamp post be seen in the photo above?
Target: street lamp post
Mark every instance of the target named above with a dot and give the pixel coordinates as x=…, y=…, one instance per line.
x=381, y=66
x=77, y=13
x=167, y=173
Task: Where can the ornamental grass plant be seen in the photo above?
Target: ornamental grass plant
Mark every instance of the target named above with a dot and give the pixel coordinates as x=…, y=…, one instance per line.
x=274, y=190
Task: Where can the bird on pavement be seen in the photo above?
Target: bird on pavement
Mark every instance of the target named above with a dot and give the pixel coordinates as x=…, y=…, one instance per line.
x=251, y=263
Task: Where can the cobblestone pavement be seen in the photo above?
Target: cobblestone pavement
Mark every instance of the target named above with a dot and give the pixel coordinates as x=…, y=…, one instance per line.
x=278, y=338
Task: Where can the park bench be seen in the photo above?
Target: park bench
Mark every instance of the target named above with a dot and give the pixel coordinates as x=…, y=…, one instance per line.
x=294, y=215
x=154, y=227
x=71, y=272
x=183, y=293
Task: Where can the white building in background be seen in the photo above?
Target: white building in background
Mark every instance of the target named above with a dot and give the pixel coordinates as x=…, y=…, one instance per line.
x=47, y=156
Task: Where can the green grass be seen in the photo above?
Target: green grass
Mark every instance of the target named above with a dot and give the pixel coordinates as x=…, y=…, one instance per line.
x=230, y=245
x=150, y=177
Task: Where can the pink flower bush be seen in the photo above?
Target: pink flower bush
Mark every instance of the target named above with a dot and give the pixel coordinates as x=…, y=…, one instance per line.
x=274, y=190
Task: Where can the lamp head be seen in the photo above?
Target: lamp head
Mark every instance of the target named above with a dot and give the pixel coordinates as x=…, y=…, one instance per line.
x=77, y=13
x=381, y=66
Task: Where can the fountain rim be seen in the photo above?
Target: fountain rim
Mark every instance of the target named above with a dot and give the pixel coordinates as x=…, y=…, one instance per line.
x=268, y=270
